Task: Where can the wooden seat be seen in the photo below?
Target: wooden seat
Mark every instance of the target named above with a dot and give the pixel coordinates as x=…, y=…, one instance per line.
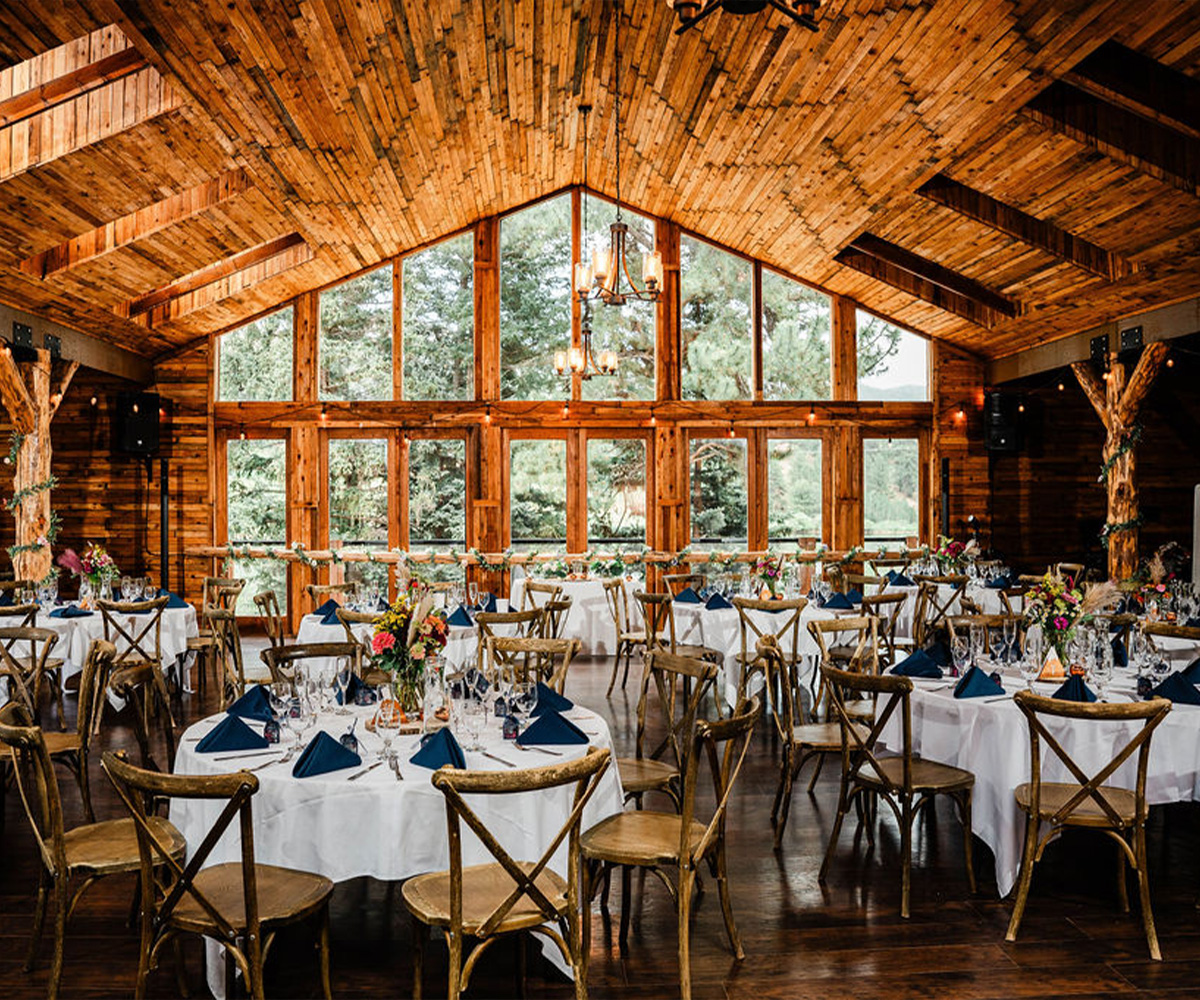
x=656, y=841
x=80, y=855
x=629, y=638
x=1089, y=803
x=242, y=904
x=137, y=639
x=904, y=782
x=510, y=895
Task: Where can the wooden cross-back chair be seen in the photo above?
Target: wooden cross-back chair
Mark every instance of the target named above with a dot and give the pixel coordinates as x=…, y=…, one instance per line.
x=137, y=685
x=938, y=607
x=271, y=616
x=864, y=582
x=13, y=589
x=535, y=589
x=520, y=624
x=906, y=783
x=992, y=626
x=1072, y=570
x=1088, y=802
x=678, y=842
x=1013, y=599
x=138, y=639
x=672, y=690
x=521, y=658
x=507, y=895
x=886, y=608
x=899, y=563
x=220, y=592
x=784, y=628
x=71, y=861
x=282, y=661
x=319, y=593
x=629, y=637
x=555, y=617
x=240, y=904
x=920, y=615
x=1166, y=630
x=19, y=614
x=677, y=582
x=236, y=674
x=351, y=618
x=25, y=652
x=659, y=617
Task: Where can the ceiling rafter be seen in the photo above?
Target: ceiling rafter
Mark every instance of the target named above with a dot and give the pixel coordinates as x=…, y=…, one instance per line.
x=69, y=86
x=1011, y=221
x=128, y=229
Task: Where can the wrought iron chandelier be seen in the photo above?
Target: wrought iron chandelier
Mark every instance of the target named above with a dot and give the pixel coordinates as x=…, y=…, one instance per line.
x=691, y=12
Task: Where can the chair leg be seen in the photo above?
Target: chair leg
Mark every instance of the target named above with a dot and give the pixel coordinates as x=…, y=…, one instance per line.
x=842, y=805
x=906, y=825
x=56, y=682
x=812, y=782
x=612, y=680
x=685, y=917
x=456, y=947
x=85, y=787
x=584, y=944
x=1139, y=850
x=1027, y=862
x=968, y=855
x=783, y=796
x=418, y=931
x=626, y=906
x=735, y=941
x=323, y=953
x=61, y=905
x=39, y=920
x=1122, y=889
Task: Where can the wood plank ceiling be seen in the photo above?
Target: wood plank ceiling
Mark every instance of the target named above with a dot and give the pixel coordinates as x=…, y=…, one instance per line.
x=995, y=173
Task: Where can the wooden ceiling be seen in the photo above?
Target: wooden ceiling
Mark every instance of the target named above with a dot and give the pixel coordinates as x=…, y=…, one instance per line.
x=995, y=173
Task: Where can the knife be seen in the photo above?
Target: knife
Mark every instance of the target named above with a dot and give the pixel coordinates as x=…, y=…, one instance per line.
x=358, y=774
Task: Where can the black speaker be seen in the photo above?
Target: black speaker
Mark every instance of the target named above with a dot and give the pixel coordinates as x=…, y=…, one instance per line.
x=1001, y=424
x=135, y=423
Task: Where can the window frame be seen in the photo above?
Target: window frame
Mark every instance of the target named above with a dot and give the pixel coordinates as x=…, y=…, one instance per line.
x=924, y=474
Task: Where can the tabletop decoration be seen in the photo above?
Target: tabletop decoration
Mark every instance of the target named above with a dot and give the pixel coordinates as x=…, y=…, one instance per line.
x=231, y=733
x=717, y=602
x=769, y=571
x=1058, y=606
x=687, y=596
x=549, y=700
x=952, y=555
x=95, y=569
x=322, y=755
x=409, y=636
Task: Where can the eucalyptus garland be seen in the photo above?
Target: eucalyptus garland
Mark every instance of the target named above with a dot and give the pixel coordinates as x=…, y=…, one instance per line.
x=13, y=504
x=679, y=558
x=1111, y=529
x=14, y=447
x=852, y=555
x=489, y=566
x=725, y=565
x=1127, y=443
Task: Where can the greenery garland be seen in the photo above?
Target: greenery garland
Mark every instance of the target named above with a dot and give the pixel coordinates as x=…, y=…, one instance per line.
x=13, y=506
x=1127, y=443
x=679, y=558
x=1111, y=529
x=491, y=567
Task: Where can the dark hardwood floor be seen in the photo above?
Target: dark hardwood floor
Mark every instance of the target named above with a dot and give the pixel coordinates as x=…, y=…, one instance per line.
x=845, y=940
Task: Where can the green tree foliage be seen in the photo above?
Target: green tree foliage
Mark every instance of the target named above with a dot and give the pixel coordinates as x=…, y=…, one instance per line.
x=438, y=321
x=718, y=489
x=358, y=502
x=255, y=360
x=355, y=343
x=796, y=323
x=794, y=485
x=437, y=500
x=257, y=504
x=535, y=298
x=538, y=491
x=716, y=319
x=616, y=488
x=892, y=363
x=891, y=474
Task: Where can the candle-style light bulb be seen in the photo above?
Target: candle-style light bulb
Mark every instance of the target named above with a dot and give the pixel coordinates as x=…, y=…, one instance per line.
x=576, y=359
x=600, y=264
x=560, y=362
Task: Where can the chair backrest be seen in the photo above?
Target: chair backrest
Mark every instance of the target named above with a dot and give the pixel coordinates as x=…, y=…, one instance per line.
x=679, y=685
x=283, y=660
x=227, y=639
x=859, y=743
x=886, y=608
x=320, y=592
x=1169, y=631
x=1072, y=570
x=960, y=625
x=351, y=618
x=676, y=582
x=535, y=589
x=1036, y=707
x=19, y=614
x=555, y=616
x=136, y=626
x=37, y=785
x=618, y=603
x=938, y=605
x=920, y=616
x=93, y=683
x=271, y=616
x=656, y=613
x=25, y=663
x=142, y=687
x=863, y=582
x=858, y=635
x=753, y=626
x=138, y=787
x=16, y=586
x=724, y=744
x=515, y=657
x=524, y=623
x=782, y=683
x=1013, y=599
x=584, y=773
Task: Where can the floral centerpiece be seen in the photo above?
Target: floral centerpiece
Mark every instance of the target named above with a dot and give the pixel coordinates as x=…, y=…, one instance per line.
x=1059, y=606
x=954, y=555
x=95, y=567
x=407, y=636
x=769, y=572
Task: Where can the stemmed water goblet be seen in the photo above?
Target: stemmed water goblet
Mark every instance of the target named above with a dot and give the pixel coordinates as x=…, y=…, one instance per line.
x=341, y=679
x=473, y=595
x=960, y=652
x=522, y=700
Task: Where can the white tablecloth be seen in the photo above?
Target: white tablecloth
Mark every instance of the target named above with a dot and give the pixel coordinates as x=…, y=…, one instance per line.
x=589, y=620
x=991, y=739
x=379, y=827
x=76, y=635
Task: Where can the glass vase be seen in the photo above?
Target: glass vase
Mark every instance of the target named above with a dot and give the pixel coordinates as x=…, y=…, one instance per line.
x=436, y=695
x=87, y=595
x=106, y=589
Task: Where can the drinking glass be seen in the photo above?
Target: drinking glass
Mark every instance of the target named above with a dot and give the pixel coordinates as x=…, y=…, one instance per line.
x=473, y=594
x=978, y=635
x=960, y=650
x=297, y=714
x=387, y=725
x=1033, y=645
x=127, y=593
x=341, y=680
x=523, y=699
x=474, y=720
x=1103, y=670
x=1008, y=629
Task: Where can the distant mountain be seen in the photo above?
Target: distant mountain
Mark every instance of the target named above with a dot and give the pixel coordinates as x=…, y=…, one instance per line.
x=900, y=392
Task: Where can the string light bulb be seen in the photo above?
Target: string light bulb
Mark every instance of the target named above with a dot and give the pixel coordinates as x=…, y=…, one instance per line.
x=1020, y=407
x=812, y=415
x=1061, y=387
x=487, y=415
x=566, y=411
x=93, y=401
x=1170, y=362
x=731, y=434
x=653, y=419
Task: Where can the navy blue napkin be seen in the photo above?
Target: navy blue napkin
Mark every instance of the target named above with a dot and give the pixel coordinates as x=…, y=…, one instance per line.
x=70, y=611
x=854, y=596
x=998, y=583
x=322, y=755
x=553, y=729
x=1193, y=623
x=489, y=602
x=976, y=684
x=439, y=749
x=175, y=601
x=891, y=575
x=231, y=733
x=1192, y=671
x=381, y=605
x=716, y=602
x=687, y=596
x=254, y=704
x=1120, y=653
x=839, y=602
x=356, y=685
x=900, y=580
x=549, y=700
x=1074, y=689
x=1180, y=689
x=461, y=618
x=328, y=608
x=6, y=600
x=918, y=664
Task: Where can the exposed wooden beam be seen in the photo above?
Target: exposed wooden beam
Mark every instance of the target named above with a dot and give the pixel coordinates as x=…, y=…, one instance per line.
x=1027, y=228
x=1093, y=388
x=137, y=225
x=1142, y=85
x=1153, y=148
x=58, y=391
x=64, y=88
x=943, y=298
x=208, y=275
x=15, y=395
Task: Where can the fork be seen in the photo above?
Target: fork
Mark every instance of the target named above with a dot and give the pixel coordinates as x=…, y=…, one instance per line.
x=288, y=755
x=552, y=753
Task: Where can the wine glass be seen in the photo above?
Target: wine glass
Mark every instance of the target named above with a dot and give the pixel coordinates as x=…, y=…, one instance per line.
x=387, y=725
x=522, y=699
x=474, y=720
x=341, y=680
x=297, y=714
x=1008, y=631
x=960, y=651
x=127, y=589
x=473, y=594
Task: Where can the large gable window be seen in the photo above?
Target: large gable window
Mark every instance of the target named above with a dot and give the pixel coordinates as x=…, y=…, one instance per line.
x=892, y=363
x=355, y=344
x=716, y=289
x=796, y=322
x=438, y=320
x=255, y=361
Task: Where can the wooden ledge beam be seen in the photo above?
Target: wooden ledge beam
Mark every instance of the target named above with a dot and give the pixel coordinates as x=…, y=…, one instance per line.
x=1131, y=80
x=59, y=391
x=1027, y=228
x=209, y=275
x=1153, y=148
x=1093, y=388
x=45, y=96
x=15, y=395
x=128, y=229
x=1144, y=373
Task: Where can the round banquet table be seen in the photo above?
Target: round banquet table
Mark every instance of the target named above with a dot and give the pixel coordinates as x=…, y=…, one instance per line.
x=990, y=738
x=377, y=826
x=589, y=620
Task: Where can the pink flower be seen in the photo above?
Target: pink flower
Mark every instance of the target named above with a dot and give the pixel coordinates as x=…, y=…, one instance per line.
x=1160, y=587
x=1061, y=623
x=69, y=560
x=417, y=652
x=382, y=641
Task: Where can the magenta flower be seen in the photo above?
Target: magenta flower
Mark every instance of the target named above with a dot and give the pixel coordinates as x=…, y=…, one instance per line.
x=1061, y=623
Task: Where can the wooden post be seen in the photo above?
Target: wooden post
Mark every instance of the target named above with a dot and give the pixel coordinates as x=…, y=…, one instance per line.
x=1116, y=403
x=32, y=393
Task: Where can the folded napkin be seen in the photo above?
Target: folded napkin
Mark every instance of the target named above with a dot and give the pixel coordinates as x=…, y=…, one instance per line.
x=998, y=583
x=175, y=601
x=939, y=652
x=6, y=600
x=439, y=749
x=1192, y=671
x=840, y=602
x=976, y=684
x=1074, y=689
x=918, y=664
x=1193, y=623
x=231, y=733
x=854, y=596
x=900, y=580
x=716, y=602
x=328, y=608
x=552, y=729
x=1120, y=653
x=489, y=602
x=254, y=704
x=891, y=575
x=322, y=755
x=70, y=611
x=381, y=605
x=687, y=596
x=549, y=700
x=1179, y=688
x=354, y=689
x=461, y=618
